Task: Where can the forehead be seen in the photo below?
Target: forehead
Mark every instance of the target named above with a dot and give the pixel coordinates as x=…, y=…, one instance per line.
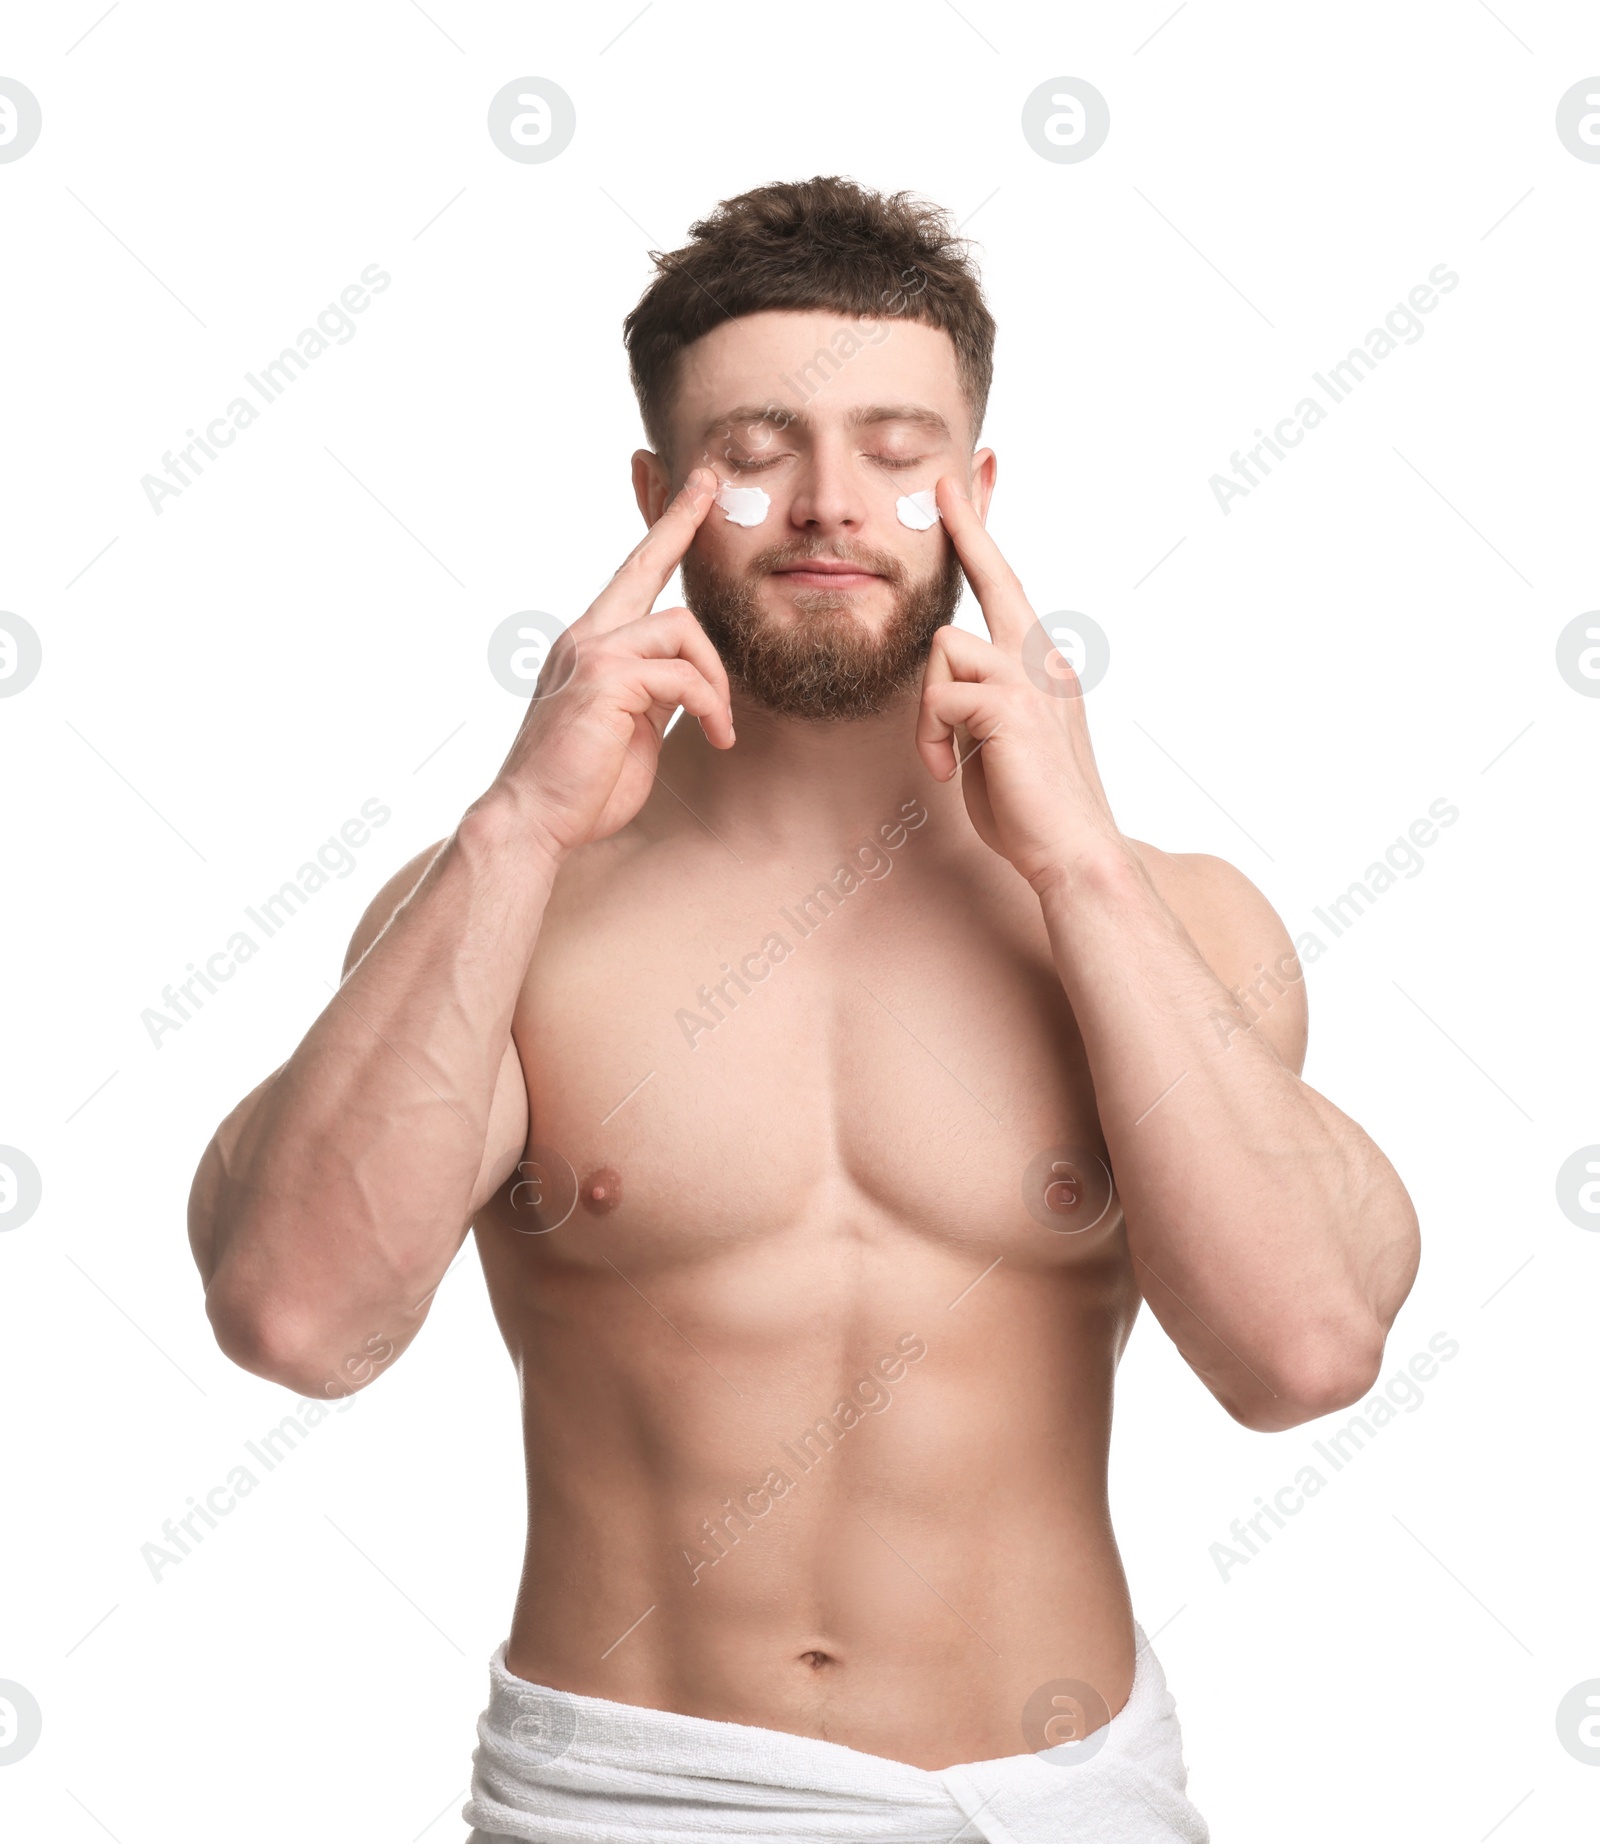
x=831, y=367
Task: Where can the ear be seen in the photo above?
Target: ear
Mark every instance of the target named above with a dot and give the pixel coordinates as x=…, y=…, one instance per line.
x=984, y=469
x=652, y=487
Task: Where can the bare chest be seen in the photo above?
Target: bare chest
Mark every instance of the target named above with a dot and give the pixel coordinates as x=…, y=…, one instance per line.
x=780, y=1055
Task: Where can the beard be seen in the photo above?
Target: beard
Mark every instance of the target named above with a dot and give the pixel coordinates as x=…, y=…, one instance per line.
x=823, y=665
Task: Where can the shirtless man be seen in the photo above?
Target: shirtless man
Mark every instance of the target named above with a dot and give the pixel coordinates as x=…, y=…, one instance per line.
x=780, y=1064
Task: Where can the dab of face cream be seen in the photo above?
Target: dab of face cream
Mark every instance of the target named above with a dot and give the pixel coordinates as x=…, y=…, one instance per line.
x=743, y=505
x=918, y=510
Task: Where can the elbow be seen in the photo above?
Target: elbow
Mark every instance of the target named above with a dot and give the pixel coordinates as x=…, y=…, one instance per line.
x=272, y=1345
x=286, y=1348
x=265, y=1344
x=1319, y=1375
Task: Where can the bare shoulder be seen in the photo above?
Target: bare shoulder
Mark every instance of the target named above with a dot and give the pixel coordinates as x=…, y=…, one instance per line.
x=1241, y=938
x=378, y=913
x=1212, y=898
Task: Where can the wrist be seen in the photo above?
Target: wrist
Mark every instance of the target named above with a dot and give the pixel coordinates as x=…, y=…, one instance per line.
x=1107, y=868
x=506, y=824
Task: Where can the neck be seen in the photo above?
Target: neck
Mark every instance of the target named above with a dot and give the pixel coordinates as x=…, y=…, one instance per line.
x=796, y=785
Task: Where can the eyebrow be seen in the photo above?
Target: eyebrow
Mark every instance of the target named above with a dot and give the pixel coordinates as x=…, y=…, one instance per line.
x=903, y=413
x=750, y=414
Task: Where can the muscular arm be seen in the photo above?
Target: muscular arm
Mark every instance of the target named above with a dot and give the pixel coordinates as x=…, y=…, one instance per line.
x=1272, y=1239
x=330, y=1202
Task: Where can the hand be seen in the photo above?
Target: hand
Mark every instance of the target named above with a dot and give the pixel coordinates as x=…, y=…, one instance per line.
x=585, y=756
x=1027, y=767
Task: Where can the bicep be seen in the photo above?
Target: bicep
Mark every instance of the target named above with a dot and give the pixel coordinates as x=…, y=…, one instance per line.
x=1242, y=939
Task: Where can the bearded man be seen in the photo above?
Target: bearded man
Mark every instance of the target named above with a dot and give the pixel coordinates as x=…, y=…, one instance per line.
x=827, y=1080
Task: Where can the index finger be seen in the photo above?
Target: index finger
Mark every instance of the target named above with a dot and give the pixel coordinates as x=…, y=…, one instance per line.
x=648, y=567
x=996, y=585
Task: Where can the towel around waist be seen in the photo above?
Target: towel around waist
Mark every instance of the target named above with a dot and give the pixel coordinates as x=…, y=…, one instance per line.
x=556, y=1768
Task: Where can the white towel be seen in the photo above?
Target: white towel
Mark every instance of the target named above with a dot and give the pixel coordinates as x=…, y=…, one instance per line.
x=552, y=1768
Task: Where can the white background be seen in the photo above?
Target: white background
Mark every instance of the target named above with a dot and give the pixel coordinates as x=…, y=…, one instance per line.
x=1369, y=631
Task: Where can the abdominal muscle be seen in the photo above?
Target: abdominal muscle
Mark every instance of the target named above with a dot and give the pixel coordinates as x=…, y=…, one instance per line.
x=806, y=1482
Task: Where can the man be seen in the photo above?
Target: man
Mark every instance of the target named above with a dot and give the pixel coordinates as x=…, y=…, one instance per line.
x=781, y=1064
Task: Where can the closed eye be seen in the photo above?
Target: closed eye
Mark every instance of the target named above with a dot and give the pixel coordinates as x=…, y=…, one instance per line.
x=752, y=465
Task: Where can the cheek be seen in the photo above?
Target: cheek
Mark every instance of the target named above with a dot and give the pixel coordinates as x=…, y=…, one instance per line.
x=727, y=548
x=745, y=507
x=917, y=511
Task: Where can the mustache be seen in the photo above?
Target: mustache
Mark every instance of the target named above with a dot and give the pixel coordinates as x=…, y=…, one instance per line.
x=782, y=556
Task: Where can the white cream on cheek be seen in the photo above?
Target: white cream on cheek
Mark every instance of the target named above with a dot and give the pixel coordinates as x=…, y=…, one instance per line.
x=743, y=505
x=919, y=511
x=749, y=506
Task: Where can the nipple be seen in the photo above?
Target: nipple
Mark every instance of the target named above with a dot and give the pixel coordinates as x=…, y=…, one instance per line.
x=601, y=1191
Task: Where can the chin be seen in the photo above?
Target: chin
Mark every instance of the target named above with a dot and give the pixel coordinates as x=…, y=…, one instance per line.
x=868, y=606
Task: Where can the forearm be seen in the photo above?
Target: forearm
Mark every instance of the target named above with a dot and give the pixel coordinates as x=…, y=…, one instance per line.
x=1269, y=1234
x=329, y=1204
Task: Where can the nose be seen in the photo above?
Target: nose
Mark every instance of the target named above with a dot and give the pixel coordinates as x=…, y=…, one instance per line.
x=829, y=499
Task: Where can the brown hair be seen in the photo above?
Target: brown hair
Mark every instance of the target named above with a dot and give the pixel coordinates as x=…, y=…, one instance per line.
x=805, y=244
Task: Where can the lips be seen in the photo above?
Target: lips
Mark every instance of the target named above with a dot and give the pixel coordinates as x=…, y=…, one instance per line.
x=828, y=569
